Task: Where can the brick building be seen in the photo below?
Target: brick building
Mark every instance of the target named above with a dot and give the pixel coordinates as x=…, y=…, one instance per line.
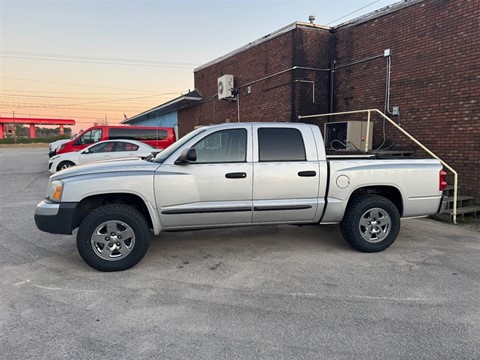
x=420, y=56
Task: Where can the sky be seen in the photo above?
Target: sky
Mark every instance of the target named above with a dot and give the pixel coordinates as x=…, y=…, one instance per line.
x=96, y=61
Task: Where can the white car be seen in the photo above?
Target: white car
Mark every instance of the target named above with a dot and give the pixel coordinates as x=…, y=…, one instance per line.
x=52, y=147
x=103, y=150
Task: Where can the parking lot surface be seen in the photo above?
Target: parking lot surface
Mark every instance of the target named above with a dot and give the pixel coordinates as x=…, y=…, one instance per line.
x=275, y=292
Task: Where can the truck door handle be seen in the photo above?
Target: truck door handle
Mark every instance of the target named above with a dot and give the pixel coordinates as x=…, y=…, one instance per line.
x=307, y=173
x=236, y=175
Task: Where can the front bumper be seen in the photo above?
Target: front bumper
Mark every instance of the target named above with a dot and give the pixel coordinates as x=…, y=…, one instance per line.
x=54, y=218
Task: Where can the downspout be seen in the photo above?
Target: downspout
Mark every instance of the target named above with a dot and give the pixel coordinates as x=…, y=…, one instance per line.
x=332, y=52
x=238, y=106
x=388, y=82
x=332, y=86
x=293, y=114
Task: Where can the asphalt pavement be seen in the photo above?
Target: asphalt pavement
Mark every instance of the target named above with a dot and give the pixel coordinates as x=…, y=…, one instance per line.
x=275, y=292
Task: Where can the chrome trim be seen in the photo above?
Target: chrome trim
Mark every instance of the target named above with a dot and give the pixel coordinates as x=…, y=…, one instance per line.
x=205, y=210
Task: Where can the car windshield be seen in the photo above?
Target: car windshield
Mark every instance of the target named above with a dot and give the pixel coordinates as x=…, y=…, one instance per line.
x=163, y=155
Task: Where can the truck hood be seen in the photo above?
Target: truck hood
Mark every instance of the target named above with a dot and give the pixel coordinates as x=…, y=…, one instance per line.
x=108, y=166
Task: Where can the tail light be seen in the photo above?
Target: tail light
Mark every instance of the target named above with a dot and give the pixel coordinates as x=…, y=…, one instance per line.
x=443, y=180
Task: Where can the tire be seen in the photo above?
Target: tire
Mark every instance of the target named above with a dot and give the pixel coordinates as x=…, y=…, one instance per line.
x=371, y=223
x=113, y=237
x=65, y=165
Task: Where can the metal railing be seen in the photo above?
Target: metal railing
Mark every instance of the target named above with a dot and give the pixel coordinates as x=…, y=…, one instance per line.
x=367, y=140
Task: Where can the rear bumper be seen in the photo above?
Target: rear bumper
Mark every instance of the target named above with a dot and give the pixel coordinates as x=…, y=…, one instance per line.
x=54, y=218
x=443, y=204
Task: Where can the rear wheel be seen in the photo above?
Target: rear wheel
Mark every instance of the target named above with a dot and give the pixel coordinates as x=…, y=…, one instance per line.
x=113, y=237
x=371, y=223
x=64, y=165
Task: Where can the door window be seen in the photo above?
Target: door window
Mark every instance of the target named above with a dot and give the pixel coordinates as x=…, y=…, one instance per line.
x=101, y=148
x=226, y=146
x=280, y=144
x=90, y=137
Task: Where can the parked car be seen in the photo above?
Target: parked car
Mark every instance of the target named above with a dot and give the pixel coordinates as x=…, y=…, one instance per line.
x=53, y=146
x=103, y=150
x=158, y=137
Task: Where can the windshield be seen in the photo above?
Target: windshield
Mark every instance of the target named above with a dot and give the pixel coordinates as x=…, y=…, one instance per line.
x=160, y=158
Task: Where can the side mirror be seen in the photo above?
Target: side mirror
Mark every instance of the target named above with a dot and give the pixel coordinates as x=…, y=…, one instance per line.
x=187, y=156
x=86, y=151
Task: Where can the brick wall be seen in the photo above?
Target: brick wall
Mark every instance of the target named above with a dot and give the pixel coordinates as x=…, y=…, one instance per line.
x=269, y=90
x=435, y=78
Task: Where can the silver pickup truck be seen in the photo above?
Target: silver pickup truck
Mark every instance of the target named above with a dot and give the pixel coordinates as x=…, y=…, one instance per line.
x=234, y=175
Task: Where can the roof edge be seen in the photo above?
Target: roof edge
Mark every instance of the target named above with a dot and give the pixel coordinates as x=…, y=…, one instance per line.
x=359, y=20
x=267, y=37
x=192, y=95
x=378, y=13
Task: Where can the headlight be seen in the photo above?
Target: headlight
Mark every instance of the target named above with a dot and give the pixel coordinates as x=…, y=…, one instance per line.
x=55, y=190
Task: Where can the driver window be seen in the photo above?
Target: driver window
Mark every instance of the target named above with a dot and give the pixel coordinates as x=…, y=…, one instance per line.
x=224, y=146
x=90, y=137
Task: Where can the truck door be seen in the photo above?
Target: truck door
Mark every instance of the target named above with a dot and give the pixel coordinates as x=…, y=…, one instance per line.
x=286, y=174
x=216, y=189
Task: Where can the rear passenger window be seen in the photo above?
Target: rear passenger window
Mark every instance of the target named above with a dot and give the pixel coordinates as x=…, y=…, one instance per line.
x=280, y=144
x=124, y=146
x=132, y=133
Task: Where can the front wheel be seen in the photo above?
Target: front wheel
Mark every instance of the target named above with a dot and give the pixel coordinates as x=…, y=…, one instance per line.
x=371, y=223
x=113, y=237
x=65, y=165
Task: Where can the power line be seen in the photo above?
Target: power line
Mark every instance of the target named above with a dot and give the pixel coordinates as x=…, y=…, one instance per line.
x=57, y=92
x=353, y=12
x=74, y=84
x=93, y=60
x=40, y=105
x=79, y=98
x=57, y=116
x=97, y=108
x=121, y=107
x=91, y=119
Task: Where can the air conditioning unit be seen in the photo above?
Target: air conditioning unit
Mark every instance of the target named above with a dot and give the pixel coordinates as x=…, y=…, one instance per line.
x=348, y=135
x=225, y=87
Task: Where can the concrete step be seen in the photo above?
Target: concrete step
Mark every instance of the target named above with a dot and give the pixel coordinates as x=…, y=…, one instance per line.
x=448, y=191
x=466, y=206
x=462, y=213
x=474, y=210
x=462, y=201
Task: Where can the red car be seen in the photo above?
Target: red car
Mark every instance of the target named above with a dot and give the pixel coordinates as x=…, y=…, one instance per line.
x=158, y=137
